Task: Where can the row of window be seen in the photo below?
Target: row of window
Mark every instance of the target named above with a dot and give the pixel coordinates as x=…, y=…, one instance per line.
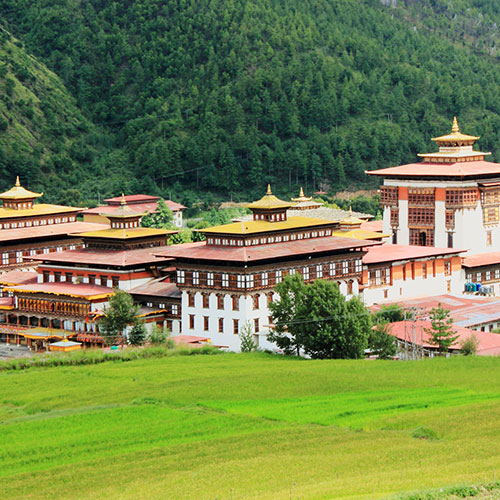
x=174, y=308
x=421, y=216
x=461, y=197
x=267, y=278
x=483, y=276
x=69, y=277
x=36, y=222
x=421, y=196
x=235, y=300
x=124, y=225
x=264, y=240
x=16, y=257
x=490, y=215
x=220, y=324
x=388, y=196
x=18, y=206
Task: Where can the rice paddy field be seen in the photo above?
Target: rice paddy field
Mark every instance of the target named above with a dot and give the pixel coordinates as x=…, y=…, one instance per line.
x=248, y=426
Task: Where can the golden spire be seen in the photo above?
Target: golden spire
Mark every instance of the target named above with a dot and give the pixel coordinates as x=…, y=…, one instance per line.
x=455, y=128
x=123, y=202
x=269, y=189
x=301, y=194
x=17, y=181
x=350, y=210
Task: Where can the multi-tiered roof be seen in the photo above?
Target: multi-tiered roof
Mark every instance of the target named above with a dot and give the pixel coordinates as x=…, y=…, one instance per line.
x=456, y=158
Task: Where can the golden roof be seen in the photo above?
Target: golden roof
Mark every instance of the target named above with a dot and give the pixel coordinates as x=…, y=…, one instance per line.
x=301, y=197
x=263, y=226
x=351, y=220
x=124, y=234
x=360, y=234
x=269, y=202
x=41, y=209
x=123, y=211
x=455, y=135
x=19, y=193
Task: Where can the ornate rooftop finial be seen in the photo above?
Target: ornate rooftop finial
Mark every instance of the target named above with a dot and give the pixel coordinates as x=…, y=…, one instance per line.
x=455, y=128
x=17, y=181
x=123, y=202
x=350, y=210
x=269, y=189
x=301, y=194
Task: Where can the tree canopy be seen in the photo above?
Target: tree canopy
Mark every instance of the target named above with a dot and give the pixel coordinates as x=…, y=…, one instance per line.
x=318, y=320
x=226, y=96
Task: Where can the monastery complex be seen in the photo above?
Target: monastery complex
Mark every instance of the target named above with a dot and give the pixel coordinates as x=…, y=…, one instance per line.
x=440, y=237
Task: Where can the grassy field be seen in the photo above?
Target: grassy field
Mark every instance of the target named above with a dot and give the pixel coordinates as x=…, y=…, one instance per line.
x=248, y=427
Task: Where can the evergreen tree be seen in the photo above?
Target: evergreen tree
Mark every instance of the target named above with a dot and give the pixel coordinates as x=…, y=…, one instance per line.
x=118, y=314
x=441, y=332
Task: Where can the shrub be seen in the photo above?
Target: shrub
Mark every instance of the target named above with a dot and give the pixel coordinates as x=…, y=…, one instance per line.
x=469, y=346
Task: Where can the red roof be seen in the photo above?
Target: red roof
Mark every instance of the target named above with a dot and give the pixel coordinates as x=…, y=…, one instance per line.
x=428, y=169
x=149, y=206
x=465, y=310
x=131, y=199
x=63, y=288
x=64, y=229
x=390, y=253
x=111, y=258
x=373, y=225
x=201, y=251
x=482, y=259
x=489, y=343
x=159, y=287
x=17, y=277
x=190, y=339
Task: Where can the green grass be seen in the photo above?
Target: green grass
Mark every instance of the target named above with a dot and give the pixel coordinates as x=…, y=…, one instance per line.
x=248, y=427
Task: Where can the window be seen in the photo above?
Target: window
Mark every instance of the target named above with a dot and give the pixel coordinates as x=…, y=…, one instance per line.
x=191, y=321
x=236, y=326
x=57, y=276
x=345, y=267
x=291, y=272
x=205, y=301
x=394, y=217
x=424, y=270
x=265, y=279
x=488, y=275
x=255, y=301
x=235, y=302
x=447, y=267
x=190, y=299
x=92, y=279
x=448, y=286
x=421, y=216
x=5, y=258
x=332, y=268
x=220, y=301
x=319, y=271
x=210, y=279
x=305, y=273
x=225, y=280
x=205, y=323
x=46, y=276
x=359, y=265
x=240, y=281
x=497, y=273
x=115, y=280
x=420, y=196
x=388, y=195
x=181, y=277
x=256, y=325
x=19, y=257
x=175, y=309
x=279, y=276
x=69, y=277
x=196, y=278
x=488, y=238
x=221, y=325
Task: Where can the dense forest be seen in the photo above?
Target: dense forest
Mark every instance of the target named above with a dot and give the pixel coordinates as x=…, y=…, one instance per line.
x=186, y=97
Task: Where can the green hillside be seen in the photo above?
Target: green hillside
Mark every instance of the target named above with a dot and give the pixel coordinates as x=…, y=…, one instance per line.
x=44, y=137
x=236, y=426
x=227, y=95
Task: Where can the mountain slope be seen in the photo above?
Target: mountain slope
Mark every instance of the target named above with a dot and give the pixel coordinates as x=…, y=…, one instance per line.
x=228, y=95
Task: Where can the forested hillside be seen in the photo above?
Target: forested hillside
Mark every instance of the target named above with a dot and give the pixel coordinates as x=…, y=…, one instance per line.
x=190, y=96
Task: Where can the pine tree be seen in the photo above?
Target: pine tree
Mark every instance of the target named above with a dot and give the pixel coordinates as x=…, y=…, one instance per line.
x=441, y=333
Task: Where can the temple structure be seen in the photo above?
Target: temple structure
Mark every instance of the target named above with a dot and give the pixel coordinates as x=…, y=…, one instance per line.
x=138, y=202
x=29, y=229
x=73, y=286
x=449, y=200
x=227, y=281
